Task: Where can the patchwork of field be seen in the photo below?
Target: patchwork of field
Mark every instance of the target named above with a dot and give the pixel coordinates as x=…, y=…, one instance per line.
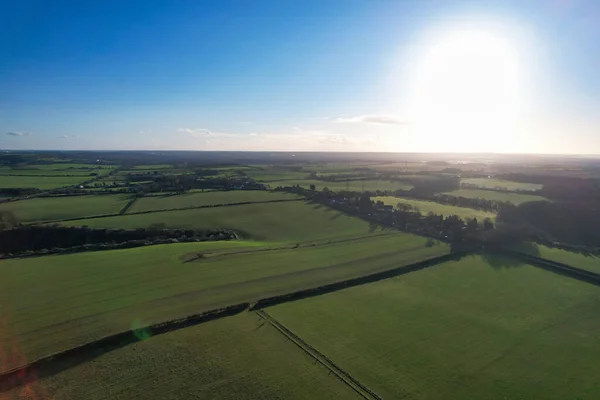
x=440, y=209
x=460, y=330
x=356, y=186
x=208, y=198
x=492, y=183
x=233, y=358
x=43, y=209
x=53, y=303
x=276, y=175
x=293, y=221
x=514, y=198
x=40, y=182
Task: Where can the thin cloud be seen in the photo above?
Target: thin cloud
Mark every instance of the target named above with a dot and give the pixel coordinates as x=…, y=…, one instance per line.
x=18, y=133
x=198, y=132
x=69, y=137
x=372, y=119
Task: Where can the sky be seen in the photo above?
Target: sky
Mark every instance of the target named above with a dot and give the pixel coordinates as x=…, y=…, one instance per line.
x=301, y=75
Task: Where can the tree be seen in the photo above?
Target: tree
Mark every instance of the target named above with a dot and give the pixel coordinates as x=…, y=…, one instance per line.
x=8, y=220
x=313, y=187
x=488, y=225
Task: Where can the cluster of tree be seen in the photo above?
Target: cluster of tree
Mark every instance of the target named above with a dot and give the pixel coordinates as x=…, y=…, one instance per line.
x=498, y=189
x=59, y=239
x=19, y=192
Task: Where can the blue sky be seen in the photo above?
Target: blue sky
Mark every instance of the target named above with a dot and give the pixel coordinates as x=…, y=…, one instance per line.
x=328, y=75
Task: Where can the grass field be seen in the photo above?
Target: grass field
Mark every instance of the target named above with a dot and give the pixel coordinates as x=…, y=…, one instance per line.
x=283, y=222
x=232, y=358
x=461, y=330
x=492, y=183
x=40, y=182
x=577, y=260
x=55, y=208
x=429, y=206
x=202, y=199
x=358, y=186
x=275, y=175
x=56, y=302
x=514, y=198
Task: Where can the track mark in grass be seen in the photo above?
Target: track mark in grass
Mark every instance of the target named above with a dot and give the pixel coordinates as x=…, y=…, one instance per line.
x=319, y=357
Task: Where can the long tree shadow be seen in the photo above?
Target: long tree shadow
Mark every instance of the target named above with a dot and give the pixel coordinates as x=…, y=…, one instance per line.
x=499, y=260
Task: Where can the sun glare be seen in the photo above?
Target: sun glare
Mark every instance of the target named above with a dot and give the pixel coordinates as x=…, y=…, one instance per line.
x=465, y=94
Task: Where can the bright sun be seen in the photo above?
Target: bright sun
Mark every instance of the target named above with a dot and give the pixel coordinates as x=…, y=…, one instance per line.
x=465, y=94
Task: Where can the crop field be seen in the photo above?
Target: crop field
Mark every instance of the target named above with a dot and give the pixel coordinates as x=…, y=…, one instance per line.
x=208, y=198
x=514, y=198
x=588, y=262
x=294, y=221
x=53, y=303
x=468, y=329
x=492, y=183
x=357, y=186
x=440, y=209
x=42, y=209
x=233, y=358
x=40, y=182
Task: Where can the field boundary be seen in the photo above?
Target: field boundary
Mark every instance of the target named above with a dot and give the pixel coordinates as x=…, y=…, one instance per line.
x=128, y=205
x=555, y=266
x=165, y=210
x=61, y=361
x=344, y=376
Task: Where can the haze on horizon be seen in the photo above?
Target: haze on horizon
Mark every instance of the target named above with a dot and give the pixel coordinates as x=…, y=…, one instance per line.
x=302, y=75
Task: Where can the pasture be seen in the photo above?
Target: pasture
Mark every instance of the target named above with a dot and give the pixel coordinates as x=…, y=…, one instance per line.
x=231, y=358
x=459, y=330
x=42, y=209
x=588, y=262
x=492, y=183
x=441, y=209
x=52, y=303
x=293, y=221
x=514, y=198
x=268, y=175
x=41, y=182
x=356, y=186
x=207, y=198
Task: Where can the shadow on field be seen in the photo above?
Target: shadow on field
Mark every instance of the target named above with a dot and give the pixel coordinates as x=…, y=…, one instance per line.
x=499, y=261
x=336, y=216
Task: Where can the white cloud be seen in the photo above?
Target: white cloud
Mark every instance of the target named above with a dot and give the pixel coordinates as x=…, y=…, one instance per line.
x=69, y=136
x=198, y=132
x=372, y=119
x=18, y=133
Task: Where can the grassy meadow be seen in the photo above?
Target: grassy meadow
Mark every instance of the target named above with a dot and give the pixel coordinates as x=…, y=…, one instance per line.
x=206, y=198
x=294, y=221
x=42, y=209
x=460, y=330
x=492, y=183
x=232, y=358
x=442, y=209
x=53, y=303
x=588, y=262
x=40, y=182
x=514, y=198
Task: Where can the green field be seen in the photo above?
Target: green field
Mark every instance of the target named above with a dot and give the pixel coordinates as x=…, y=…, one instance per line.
x=208, y=198
x=357, y=186
x=440, y=209
x=53, y=303
x=275, y=175
x=283, y=222
x=514, y=198
x=232, y=358
x=460, y=330
x=589, y=262
x=492, y=183
x=156, y=167
x=40, y=182
x=55, y=208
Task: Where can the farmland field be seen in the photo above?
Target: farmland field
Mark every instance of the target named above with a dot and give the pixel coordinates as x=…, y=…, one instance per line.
x=80, y=297
x=588, y=262
x=507, y=185
x=208, y=198
x=514, y=198
x=232, y=358
x=276, y=175
x=40, y=182
x=460, y=330
x=441, y=209
x=283, y=222
x=358, y=186
x=54, y=208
